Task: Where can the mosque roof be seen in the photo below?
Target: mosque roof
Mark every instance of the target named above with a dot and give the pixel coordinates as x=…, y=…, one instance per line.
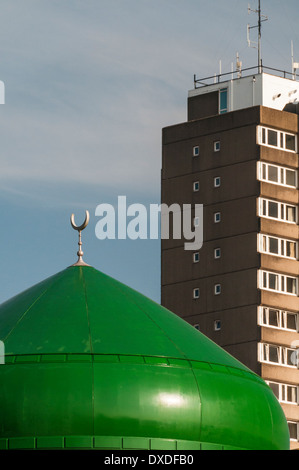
x=91, y=363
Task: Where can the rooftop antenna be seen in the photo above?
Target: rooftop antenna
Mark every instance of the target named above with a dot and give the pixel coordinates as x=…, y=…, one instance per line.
x=238, y=65
x=258, y=45
x=220, y=73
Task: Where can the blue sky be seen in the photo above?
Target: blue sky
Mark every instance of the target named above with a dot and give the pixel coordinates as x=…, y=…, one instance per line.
x=89, y=86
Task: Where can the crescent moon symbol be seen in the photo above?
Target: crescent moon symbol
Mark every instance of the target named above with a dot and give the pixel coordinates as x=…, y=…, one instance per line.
x=81, y=227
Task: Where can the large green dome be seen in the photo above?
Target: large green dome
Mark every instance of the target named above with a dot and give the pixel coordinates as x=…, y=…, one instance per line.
x=91, y=363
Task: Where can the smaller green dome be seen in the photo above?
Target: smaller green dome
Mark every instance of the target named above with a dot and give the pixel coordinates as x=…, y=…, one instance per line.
x=91, y=363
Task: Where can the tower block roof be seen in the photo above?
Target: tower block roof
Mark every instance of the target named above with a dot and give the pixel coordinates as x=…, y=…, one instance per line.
x=246, y=90
x=91, y=363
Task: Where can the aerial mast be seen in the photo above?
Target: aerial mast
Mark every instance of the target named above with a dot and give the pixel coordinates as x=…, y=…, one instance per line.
x=258, y=46
x=259, y=38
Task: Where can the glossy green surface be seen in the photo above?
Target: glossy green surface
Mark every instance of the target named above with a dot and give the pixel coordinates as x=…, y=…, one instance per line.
x=91, y=363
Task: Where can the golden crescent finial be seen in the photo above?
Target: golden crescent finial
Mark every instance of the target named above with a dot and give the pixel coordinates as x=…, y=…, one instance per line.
x=79, y=229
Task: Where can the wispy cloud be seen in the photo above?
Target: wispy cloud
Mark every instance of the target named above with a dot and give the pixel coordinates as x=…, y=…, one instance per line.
x=87, y=102
x=90, y=84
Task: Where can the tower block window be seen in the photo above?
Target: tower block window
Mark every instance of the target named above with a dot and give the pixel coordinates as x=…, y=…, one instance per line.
x=284, y=393
x=217, y=146
x=276, y=174
x=277, y=210
x=277, y=139
x=276, y=318
x=217, y=217
x=278, y=282
x=196, y=293
x=217, y=182
x=279, y=355
x=277, y=246
x=293, y=430
x=223, y=108
x=196, y=186
x=196, y=151
x=217, y=289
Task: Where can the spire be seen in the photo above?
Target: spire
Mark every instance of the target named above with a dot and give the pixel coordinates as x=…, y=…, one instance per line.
x=79, y=228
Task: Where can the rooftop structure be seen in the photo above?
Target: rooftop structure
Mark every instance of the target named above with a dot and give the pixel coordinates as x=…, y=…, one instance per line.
x=271, y=88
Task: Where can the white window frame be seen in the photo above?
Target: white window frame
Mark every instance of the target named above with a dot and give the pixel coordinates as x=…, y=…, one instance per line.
x=282, y=355
x=217, y=325
x=217, y=289
x=263, y=174
x=282, y=246
x=195, y=152
x=217, y=182
x=216, y=255
x=297, y=425
x=281, y=210
x=282, y=391
x=217, y=145
x=196, y=254
x=263, y=318
x=281, y=138
x=196, y=293
x=217, y=214
x=281, y=280
x=195, y=186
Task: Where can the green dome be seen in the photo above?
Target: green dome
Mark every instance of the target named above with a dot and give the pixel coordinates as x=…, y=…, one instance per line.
x=91, y=363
